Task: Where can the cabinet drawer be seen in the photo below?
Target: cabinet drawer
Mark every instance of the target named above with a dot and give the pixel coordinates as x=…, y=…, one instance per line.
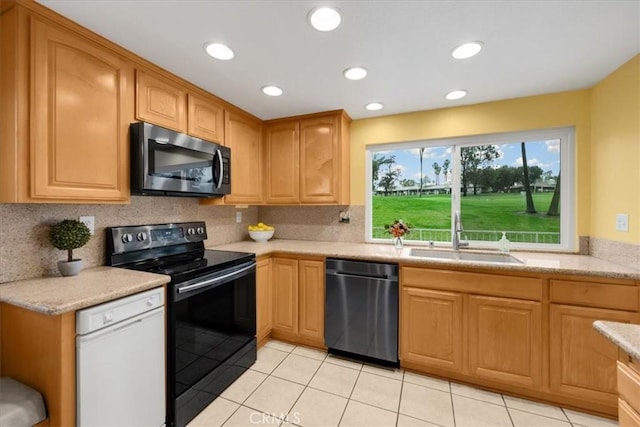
x=473, y=283
x=629, y=385
x=627, y=417
x=590, y=294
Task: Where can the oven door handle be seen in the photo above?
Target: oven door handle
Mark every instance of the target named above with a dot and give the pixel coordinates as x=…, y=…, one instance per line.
x=199, y=285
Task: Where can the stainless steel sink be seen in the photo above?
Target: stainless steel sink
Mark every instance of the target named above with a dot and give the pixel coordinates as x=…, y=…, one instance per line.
x=465, y=256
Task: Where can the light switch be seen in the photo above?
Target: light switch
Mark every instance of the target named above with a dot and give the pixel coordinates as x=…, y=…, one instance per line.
x=238, y=217
x=90, y=222
x=622, y=222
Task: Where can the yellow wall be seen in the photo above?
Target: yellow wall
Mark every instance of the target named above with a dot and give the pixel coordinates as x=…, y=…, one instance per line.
x=536, y=112
x=615, y=153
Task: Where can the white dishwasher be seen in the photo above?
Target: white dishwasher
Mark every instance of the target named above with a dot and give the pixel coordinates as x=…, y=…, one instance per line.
x=120, y=365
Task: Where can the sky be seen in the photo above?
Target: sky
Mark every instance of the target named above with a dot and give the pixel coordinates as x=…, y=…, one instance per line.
x=544, y=154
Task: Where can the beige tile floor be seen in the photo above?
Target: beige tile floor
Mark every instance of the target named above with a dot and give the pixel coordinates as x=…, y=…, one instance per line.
x=297, y=386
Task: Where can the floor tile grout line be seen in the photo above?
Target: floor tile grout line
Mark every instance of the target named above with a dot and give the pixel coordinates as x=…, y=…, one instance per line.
x=350, y=394
x=453, y=407
x=508, y=411
x=304, y=389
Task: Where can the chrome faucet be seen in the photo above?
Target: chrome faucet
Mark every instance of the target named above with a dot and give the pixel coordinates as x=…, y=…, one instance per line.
x=457, y=229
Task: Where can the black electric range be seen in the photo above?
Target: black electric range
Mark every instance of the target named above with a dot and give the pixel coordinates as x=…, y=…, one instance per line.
x=211, y=309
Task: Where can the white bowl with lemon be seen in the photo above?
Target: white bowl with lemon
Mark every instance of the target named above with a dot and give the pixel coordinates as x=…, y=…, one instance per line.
x=261, y=232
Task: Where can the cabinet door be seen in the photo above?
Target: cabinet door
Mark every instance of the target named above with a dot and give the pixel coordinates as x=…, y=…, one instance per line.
x=311, y=301
x=264, y=306
x=583, y=362
x=206, y=119
x=431, y=328
x=160, y=102
x=285, y=295
x=282, y=163
x=244, y=137
x=319, y=160
x=505, y=340
x=80, y=113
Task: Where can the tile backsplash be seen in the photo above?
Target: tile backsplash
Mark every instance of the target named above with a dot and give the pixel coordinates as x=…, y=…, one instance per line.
x=25, y=251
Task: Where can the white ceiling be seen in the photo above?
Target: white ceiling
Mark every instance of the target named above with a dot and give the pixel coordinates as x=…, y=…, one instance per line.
x=531, y=47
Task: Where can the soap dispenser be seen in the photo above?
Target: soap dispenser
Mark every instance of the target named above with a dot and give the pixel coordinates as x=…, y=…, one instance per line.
x=503, y=243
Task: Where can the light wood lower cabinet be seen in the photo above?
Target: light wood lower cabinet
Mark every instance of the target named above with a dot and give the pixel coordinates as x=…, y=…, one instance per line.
x=264, y=300
x=530, y=335
x=582, y=361
x=285, y=295
x=431, y=328
x=42, y=355
x=629, y=391
x=311, y=300
x=505, y=340
x=298, y=300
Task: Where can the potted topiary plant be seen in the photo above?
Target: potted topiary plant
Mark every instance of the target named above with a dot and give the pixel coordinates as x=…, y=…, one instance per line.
x=68, y=235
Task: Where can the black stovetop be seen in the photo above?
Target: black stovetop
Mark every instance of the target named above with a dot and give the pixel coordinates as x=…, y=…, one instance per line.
x=182, y=267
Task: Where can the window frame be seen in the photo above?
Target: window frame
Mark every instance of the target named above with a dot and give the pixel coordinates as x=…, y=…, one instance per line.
x=568, y=201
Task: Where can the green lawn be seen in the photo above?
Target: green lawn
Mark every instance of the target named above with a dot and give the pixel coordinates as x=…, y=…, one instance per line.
x=495, y=212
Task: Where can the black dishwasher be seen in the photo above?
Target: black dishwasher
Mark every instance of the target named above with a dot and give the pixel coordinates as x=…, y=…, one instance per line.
x=362, y=309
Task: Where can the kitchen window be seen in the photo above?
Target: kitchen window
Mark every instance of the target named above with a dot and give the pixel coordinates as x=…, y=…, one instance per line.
x=518, y=183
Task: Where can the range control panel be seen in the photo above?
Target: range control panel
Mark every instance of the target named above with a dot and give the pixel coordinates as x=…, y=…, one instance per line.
x=137, y=237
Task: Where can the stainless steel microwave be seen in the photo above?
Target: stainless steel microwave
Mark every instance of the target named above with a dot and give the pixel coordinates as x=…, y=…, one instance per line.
x=168, y=163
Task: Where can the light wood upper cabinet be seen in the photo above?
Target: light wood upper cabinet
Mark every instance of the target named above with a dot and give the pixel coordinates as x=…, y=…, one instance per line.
x=282, y=167
x=307, y=160
x=505, y=340
x=583, y=362
x=80, y=109
x=431, y=328
x=319, y=160
x=243, y=135
x=206, y=119
x=264, y=304
x=161, y=102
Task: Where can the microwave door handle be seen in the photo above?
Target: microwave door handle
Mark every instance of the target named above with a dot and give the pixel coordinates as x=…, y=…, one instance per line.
x=221, y=168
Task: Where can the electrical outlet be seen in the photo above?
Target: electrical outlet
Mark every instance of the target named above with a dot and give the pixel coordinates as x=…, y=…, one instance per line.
x=90, y=222
x=622, y=222
x=238, y=217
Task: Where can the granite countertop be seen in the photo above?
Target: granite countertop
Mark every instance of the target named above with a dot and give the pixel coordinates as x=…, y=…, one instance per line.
x=57, y=295
x=537, y=262
x=624, y=335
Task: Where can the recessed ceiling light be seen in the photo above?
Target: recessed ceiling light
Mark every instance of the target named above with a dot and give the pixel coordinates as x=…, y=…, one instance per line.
x=219, y=51
x=374, y=106
x=271, y=90
x=325, y=18
x=456, y=94
x=355, y=73
x=466, y=50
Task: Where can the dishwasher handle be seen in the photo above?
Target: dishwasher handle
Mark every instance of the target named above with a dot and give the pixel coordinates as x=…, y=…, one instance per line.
x=357, y=275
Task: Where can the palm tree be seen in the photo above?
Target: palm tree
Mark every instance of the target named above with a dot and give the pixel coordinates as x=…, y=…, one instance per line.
x=436, y=170
x=527, y=187
x=445, y=169
x=421, y=156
